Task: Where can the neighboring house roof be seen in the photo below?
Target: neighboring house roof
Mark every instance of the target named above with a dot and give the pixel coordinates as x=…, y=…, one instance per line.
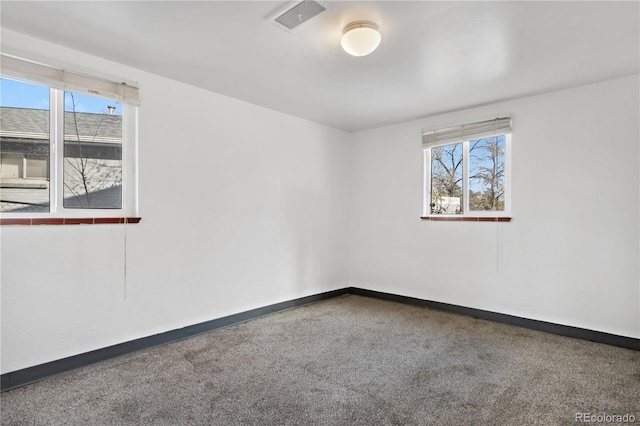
x=24, y=123
x=28, y=123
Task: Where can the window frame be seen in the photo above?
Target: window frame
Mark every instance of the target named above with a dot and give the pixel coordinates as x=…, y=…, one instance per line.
x=129, y=160
x=466, y=213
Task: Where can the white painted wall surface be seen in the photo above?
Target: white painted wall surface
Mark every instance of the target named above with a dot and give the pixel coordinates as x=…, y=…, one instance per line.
x=571, y=253
x=241, y=207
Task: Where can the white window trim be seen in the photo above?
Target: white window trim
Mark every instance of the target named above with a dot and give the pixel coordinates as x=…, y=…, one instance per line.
x=56, y=151
x=426, y=193
x=65, y=79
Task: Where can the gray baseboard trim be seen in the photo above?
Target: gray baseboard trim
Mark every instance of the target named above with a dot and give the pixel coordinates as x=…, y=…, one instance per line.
x=548, y=327
x=39, y=372
x=36, y=373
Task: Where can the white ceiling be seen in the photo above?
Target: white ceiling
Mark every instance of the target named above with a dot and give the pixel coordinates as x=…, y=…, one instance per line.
x=434, y=56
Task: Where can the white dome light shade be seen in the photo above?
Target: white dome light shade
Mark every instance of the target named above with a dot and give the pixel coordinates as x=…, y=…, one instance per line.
x=360, y=38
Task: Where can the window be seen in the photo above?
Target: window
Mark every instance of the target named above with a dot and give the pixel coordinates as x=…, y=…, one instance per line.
x=467, y=169
x=67, y=143
x=92, y=164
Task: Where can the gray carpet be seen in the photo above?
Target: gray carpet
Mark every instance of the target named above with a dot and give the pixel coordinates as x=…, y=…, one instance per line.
x=345, y=361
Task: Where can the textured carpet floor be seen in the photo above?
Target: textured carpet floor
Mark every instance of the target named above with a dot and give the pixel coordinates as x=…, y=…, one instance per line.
x=344, y=361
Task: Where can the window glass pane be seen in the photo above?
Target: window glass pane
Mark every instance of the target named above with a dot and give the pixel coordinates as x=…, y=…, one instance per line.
x=24, y=147
x=92, y=152
x=486, y=174
x=446, y=179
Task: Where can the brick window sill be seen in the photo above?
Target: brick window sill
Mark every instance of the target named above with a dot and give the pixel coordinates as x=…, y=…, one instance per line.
x=68, y=220
x=466, y=218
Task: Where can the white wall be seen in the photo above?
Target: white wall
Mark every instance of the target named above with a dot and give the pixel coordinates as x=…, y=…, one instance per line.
x=241, y=207
x=570, y=254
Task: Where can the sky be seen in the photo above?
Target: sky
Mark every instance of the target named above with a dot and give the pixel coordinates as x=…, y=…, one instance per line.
x=19, y=94
x=475, y=162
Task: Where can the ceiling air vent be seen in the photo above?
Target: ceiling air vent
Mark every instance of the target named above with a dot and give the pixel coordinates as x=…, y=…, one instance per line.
x=294, y=15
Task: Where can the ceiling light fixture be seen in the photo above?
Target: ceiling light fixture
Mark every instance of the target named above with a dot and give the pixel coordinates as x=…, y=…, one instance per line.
x=360, y=38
